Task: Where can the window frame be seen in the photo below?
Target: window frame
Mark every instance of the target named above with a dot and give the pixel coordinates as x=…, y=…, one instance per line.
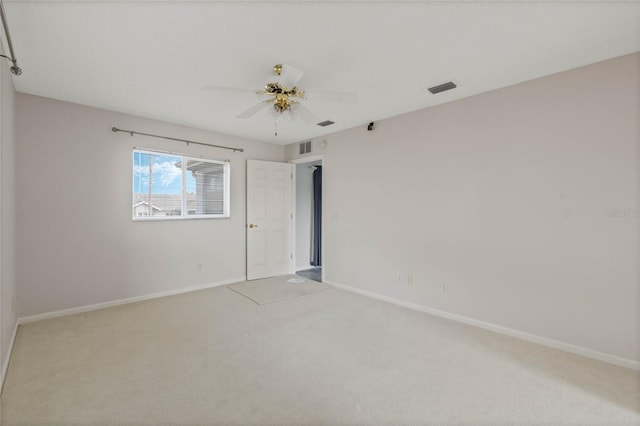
x=184, y=212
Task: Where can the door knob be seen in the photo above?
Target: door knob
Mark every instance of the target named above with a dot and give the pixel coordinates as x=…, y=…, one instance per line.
x=251, y=225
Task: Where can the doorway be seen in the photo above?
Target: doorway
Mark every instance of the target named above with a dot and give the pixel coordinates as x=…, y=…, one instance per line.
x=308, y=218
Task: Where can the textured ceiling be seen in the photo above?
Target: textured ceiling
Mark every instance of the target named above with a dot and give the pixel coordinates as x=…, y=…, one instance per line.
x=153, y=58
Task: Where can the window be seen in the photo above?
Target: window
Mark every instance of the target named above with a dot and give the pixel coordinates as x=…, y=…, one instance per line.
x=169, y=186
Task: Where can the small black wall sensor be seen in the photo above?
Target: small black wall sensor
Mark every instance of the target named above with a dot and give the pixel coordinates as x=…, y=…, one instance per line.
x=370, y=126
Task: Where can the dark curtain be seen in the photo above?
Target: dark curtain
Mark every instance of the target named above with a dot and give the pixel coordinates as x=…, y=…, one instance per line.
x=316, y=249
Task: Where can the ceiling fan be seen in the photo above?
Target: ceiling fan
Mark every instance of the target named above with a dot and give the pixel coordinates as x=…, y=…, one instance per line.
x=284, y=96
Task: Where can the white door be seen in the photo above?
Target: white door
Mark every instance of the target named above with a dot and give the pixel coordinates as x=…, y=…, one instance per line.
x=269, y=219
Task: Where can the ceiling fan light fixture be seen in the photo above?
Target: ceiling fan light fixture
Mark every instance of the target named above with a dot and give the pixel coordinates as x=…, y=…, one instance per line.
x=285, y=99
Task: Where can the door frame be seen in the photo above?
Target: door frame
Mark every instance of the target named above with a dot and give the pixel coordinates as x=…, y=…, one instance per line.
x=303, y=160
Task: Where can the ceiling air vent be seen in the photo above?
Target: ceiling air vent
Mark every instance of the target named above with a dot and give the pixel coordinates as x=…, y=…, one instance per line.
x=442, y=87
x=305, y=147
x=326, y=123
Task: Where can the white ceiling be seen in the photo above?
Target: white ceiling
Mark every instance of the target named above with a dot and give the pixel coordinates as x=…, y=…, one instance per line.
x=151, y=58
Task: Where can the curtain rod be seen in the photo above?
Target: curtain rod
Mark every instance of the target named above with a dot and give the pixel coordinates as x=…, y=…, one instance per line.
x=132, y=132
x=15, y=69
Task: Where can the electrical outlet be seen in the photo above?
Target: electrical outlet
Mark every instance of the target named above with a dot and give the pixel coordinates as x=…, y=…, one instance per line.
x=445, y=288
x=410, y=279
x=399, y=278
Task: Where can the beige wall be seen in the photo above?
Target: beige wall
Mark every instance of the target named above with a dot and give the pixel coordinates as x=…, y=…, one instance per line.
x=77, y=244
x=502, y=198
x=7, y=214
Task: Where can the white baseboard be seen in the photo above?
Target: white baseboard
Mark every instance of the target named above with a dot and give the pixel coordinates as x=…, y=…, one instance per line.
x=88, y=308
x=556, y=344
x=5, y=364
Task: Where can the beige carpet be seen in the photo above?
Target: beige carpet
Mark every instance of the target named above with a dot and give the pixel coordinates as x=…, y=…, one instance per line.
x=277, y=288
x=331, y=357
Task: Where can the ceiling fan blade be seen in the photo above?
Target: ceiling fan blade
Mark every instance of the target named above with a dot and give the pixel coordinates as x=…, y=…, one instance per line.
x=290, y=76
x=253, y=110
x=227, y=89
x=306, y=115
x=346, y=97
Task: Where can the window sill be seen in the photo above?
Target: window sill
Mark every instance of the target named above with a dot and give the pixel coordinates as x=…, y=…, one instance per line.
x=172, y=218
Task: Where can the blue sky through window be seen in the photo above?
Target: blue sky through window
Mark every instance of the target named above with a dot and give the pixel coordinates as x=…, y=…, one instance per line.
x=166, y=176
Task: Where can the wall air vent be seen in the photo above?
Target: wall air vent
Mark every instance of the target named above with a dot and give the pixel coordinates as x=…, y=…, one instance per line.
x=442, y=87
x=326, y=123
x=305, y=147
